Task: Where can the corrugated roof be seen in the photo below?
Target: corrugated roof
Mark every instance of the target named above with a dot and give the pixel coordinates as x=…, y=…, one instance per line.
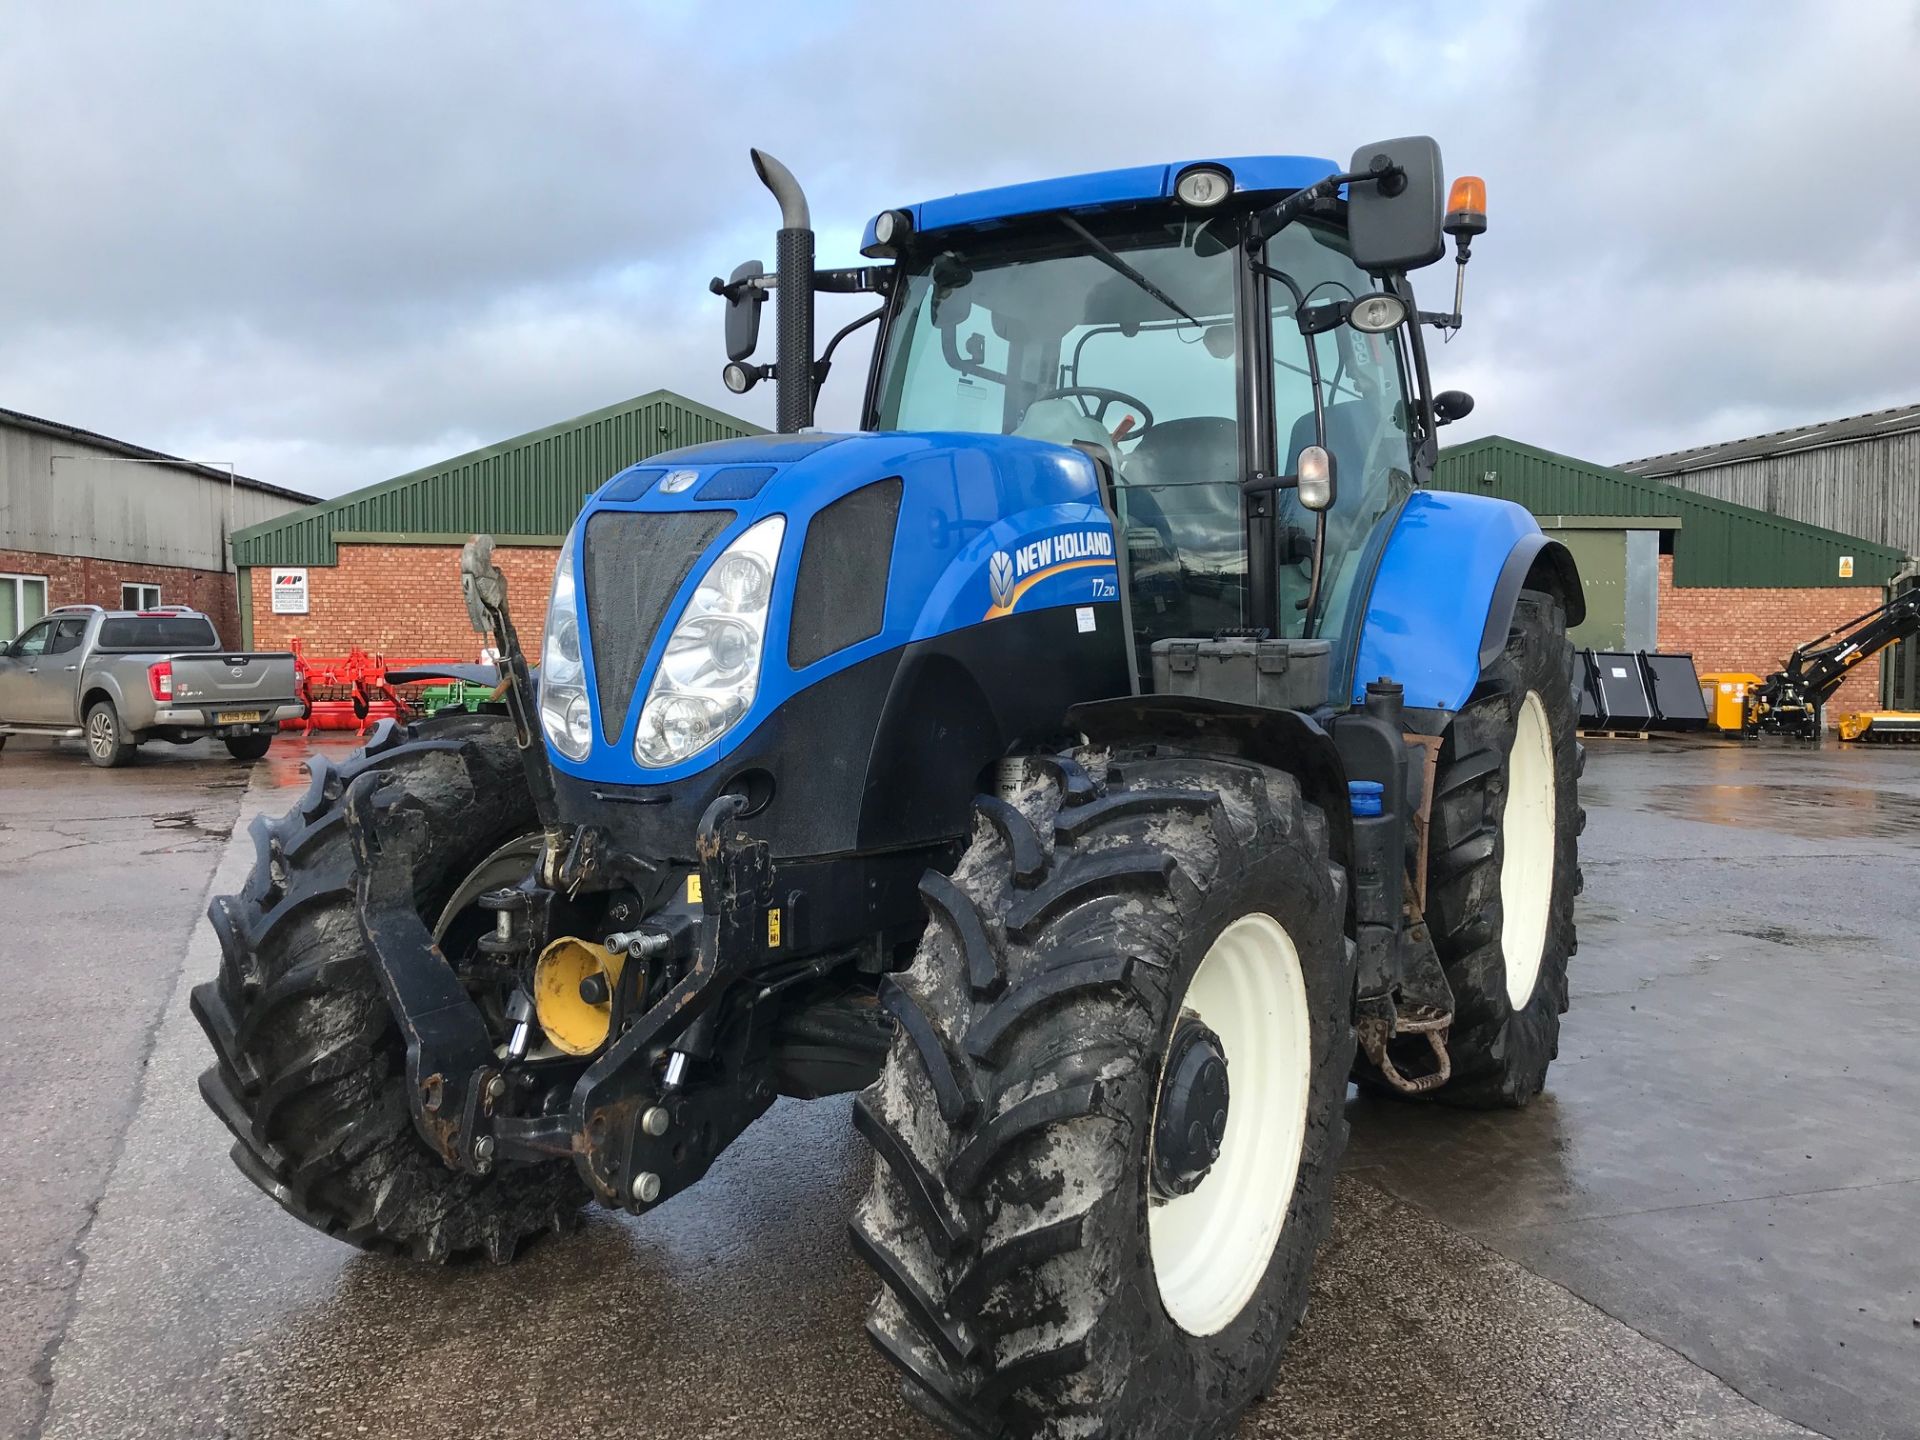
x=20, y=420
x=530, y=485
x=1873, y=424
x=1718, y=543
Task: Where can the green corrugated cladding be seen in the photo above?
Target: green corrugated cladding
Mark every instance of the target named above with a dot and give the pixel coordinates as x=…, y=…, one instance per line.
x=1718, y=543
x=531, y=485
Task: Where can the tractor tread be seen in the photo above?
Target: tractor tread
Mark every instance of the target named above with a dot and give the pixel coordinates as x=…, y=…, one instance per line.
x=999, y=1232
x=311, y=1072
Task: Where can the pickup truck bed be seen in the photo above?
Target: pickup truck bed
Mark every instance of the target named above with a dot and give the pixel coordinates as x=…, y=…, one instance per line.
x=123, y=678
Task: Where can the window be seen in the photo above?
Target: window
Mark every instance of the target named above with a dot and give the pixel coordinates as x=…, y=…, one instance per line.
x=67, y=635
x=34, y=642
x=139, y=597
x=1363, y=400
x=23, y=600
x=158, y=632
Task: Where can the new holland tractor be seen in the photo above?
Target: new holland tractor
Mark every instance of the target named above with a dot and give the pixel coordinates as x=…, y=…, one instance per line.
x=1095, y=762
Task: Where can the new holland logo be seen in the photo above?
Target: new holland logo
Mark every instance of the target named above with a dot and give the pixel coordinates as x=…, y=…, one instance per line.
x=1000, y=578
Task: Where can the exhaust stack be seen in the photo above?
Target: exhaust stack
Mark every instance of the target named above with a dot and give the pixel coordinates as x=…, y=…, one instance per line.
x=793, y=295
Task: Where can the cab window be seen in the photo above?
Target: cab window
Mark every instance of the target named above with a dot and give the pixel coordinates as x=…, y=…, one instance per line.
x=31, y=645
x=67, y=635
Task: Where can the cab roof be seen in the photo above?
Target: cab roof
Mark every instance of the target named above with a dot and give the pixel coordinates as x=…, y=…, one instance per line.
x=1252, y=174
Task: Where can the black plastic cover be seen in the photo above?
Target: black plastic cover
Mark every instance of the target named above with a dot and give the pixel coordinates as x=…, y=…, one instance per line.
x=840, y=596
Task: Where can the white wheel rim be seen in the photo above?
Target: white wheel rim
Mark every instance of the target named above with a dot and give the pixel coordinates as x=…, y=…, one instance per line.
x=102, y=730
x=1211, y=1247
x=1527, y=851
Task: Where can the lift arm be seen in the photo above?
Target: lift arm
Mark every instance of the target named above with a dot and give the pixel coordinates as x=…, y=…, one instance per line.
x=1819, y=667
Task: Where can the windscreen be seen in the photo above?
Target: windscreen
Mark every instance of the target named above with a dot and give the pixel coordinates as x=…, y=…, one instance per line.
x=1120, y=339
x=158, y=632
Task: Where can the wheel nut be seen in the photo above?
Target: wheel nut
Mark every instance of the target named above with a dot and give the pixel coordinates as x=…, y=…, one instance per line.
x=656, y=1121
x=646, y=1187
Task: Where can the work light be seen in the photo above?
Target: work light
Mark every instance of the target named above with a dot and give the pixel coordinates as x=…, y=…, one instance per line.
x=1202, y=186
x=1376, y=313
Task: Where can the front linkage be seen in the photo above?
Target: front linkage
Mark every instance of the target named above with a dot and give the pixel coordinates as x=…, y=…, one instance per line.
x=686, y=1071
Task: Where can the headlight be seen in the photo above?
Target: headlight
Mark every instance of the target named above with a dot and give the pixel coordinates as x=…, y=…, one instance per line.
x=564, y=712
x=709, y=671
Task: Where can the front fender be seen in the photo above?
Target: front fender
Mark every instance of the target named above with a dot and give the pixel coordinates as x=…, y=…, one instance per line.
x=1444, y=595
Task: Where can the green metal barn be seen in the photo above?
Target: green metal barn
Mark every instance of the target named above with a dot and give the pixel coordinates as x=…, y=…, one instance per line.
x=377, y=567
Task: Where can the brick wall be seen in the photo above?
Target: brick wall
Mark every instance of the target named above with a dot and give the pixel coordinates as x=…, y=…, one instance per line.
x=1755, y=630
x=402, y=602
x=79, y=580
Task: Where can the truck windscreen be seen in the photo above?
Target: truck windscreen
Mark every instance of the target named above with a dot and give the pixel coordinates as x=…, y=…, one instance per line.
x=157, y=632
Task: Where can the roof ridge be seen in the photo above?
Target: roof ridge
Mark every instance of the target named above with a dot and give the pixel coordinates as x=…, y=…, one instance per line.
x=1789, y=432
x=79, y=434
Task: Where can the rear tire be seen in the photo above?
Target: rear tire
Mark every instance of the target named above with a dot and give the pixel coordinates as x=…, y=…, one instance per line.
x=311, y=1074
x=248, y=747
x=107, y=743
x=1504, y=865
x=1035, y=1282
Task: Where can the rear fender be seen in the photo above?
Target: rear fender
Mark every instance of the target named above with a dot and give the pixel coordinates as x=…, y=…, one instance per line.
x=1444, y=596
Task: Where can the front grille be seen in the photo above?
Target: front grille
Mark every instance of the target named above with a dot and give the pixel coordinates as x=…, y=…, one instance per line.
x=634, y=564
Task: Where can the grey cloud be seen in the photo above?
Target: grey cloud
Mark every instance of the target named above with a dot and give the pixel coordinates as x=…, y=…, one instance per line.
x=333, y=241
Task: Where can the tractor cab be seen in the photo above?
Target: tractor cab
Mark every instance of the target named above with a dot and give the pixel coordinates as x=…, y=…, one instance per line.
x=1195, y=329
x=1147, y=339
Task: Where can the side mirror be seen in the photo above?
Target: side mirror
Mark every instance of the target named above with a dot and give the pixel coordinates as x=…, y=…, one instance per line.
x=1452, y=405
x=1393, y=222
x=744, y=300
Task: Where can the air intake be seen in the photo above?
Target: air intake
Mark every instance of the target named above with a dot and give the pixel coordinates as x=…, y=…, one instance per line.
x=634, y=564
x=840, y=597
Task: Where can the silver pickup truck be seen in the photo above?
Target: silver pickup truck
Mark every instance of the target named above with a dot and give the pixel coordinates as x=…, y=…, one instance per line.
x=121, y=678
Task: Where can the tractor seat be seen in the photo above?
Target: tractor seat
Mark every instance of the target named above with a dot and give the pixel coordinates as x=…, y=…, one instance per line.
x=1197, y=450
x=1064, y=423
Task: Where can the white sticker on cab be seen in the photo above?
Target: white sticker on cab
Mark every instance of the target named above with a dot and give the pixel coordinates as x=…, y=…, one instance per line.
x=1084, y=616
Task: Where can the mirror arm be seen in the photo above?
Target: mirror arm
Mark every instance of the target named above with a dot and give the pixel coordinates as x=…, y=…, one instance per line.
x=858, y=280
x=824, y=364
x=1423, y=378
x=1282, y=213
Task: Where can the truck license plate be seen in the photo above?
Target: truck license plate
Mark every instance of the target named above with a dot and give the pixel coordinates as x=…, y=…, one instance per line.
x=241, y=717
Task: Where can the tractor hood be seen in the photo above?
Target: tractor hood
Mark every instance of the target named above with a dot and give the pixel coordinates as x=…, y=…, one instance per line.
x=887, y=541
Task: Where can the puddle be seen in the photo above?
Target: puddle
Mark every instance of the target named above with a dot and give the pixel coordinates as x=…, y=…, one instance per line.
x=1813, y=811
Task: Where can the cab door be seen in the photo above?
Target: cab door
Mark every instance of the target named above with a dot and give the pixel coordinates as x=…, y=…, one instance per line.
x=20, y=675
x=54, y=697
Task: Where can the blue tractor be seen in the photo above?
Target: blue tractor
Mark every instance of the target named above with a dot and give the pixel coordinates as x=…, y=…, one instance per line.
x=1096, y=762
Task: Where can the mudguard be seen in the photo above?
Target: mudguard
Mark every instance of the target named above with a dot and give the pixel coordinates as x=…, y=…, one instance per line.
x=1444, y=594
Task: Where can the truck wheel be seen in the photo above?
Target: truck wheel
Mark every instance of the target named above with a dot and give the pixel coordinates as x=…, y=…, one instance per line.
x=248, y=747
x=1109, y=1124
x=311, y=1072
x=1503, y=862
x=107, y=743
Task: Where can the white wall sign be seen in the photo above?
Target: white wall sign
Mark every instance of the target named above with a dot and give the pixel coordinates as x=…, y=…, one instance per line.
x=290, y=591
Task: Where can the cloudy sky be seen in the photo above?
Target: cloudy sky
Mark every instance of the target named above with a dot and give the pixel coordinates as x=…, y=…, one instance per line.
x=331, y=242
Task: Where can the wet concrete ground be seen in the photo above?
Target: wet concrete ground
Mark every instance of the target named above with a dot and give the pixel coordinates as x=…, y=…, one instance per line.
x=1706, y=1228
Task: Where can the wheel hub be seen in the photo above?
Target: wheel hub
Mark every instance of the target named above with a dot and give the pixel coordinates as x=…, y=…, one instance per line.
x=1191, y=1121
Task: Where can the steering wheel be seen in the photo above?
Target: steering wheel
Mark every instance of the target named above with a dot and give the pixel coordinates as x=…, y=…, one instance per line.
x=1107, y=400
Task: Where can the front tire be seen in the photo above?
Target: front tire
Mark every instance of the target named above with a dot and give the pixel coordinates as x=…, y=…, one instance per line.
x=108, y=744
x=1057, y=1260
x=1504, y=864
x=311, y=1068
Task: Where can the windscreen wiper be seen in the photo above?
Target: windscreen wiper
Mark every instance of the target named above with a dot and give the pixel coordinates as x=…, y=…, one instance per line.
x=1106, y=255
